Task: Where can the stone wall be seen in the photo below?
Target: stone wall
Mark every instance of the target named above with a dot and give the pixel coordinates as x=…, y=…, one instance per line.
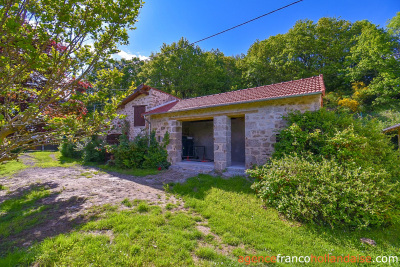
x=153, y=99
x=222, y=142
x=262, y=121
x=158, y=98
x=261, y=128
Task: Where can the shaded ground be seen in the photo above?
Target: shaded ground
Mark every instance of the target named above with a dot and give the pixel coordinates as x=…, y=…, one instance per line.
x=222, y=220
x=75, y=194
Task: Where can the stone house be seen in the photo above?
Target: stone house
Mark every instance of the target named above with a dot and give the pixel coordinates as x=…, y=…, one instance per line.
x=225, y=131
x=143, y=99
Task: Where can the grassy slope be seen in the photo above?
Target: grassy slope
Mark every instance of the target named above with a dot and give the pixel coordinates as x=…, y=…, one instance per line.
x=234, y=212
x=143, y=234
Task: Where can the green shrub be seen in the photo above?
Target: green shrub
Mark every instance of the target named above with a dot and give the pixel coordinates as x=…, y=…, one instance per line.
x=89, y=149
x=332, y=168
x=341, y=137
x=70, y=149
x=94, y=151
x=326, y=192
x=144, y=152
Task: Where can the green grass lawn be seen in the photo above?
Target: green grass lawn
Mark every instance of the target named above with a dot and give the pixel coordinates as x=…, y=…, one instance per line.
x=11, y=167
x=55, y=159
x=21, y=213
x=137, y=233
x=143, y=235
x=40, y=159
x=134, y=172
x=49, y=159
x=235, y=214
x=46, y=159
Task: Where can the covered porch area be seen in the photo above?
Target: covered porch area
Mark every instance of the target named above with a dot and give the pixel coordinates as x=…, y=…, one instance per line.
x=213, y=143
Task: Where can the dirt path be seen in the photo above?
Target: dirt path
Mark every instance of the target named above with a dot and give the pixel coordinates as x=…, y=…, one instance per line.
x=75, y=190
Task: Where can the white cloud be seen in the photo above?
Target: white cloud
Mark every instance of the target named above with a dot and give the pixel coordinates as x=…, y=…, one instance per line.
x=126, y=55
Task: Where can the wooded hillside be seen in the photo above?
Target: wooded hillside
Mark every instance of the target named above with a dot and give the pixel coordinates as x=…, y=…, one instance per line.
x=360, y=63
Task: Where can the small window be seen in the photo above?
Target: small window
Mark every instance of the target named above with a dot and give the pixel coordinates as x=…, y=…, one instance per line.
x=138, y=119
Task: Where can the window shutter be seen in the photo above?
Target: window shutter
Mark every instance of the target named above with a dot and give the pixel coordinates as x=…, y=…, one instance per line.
x=138, y=119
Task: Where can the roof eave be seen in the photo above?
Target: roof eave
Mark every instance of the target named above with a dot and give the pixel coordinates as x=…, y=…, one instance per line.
x=391, y=128
x=141, y=89
x=241, y=102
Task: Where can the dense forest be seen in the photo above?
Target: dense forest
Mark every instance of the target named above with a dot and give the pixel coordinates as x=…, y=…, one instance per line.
x=360, y=62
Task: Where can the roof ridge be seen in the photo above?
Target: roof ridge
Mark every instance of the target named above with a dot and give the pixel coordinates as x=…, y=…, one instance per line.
x=197, y=97
x=164, y=104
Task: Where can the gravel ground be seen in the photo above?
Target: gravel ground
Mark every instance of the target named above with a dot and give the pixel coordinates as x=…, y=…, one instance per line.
x=75, y=190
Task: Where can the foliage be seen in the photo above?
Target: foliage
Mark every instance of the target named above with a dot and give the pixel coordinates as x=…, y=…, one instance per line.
x=91, y=149
x=128, y=70
x=307, y=49
x=326, y=192
x=394, y=25
x=331, y=168
x=374, y=60
x=144, y=152
x=347, y=54
x=94, y=150
x=340, y=136
x=71, y=150
x=357, y=98
x=187, y=71
x=45, y=56
x=344, y=52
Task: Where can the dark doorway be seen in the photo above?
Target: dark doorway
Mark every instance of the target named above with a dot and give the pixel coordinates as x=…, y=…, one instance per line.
x=238, y=141
x=198, y=140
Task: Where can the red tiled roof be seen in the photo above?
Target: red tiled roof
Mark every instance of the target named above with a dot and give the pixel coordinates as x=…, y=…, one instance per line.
x=313, y=85
x=162, y=108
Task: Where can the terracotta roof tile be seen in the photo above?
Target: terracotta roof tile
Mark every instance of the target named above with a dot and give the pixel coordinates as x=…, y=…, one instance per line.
x=313, y=85
x=162, y=108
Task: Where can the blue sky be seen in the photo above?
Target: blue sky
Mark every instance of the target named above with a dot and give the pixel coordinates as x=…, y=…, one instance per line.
x=166, y=21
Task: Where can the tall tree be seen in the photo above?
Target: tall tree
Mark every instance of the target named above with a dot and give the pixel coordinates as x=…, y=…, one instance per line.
x=129, y=69
x=44, y=58
x=375, y=62
x=305, y=50
x=187, y=71
x=360, y=61
x=393, y=26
